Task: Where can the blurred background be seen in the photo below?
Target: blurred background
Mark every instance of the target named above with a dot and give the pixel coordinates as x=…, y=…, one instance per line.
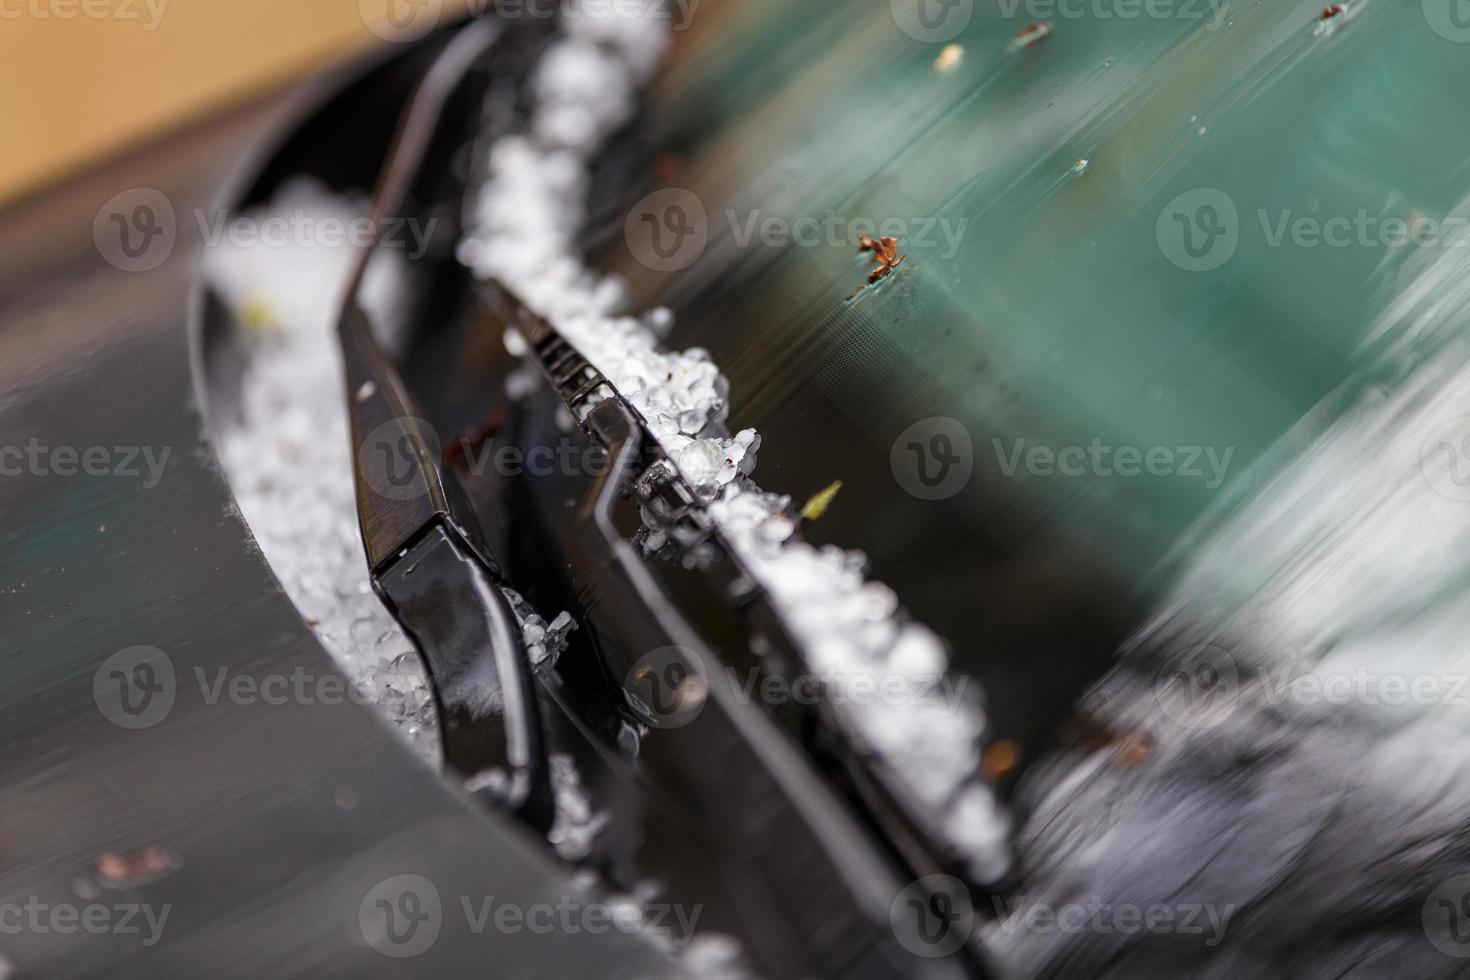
x=82, y=79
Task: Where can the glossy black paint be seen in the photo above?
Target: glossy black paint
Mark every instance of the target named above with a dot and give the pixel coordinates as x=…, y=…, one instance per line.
x=279, y=819
x=809, y=882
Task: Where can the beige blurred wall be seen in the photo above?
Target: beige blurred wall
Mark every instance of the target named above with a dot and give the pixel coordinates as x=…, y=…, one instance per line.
x=83, y=78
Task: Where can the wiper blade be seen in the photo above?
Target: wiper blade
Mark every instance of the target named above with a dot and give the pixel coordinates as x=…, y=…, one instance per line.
x=427, y=557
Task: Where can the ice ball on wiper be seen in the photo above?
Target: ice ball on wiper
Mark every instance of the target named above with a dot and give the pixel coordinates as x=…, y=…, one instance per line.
x=709, y=464
x=765, y=516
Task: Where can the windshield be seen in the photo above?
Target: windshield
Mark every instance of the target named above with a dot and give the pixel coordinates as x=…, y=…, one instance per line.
x=1138, y=251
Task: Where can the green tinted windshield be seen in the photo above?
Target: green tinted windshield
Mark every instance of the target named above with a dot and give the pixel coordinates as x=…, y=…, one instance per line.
x=1141, y=241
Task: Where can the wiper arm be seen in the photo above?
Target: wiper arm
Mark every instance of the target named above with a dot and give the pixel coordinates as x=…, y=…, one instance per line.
x=427, y=557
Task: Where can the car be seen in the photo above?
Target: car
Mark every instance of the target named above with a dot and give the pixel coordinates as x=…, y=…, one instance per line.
x=752, y=489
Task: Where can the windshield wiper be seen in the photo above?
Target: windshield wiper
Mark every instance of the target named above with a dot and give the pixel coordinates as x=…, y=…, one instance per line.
x=427, y=556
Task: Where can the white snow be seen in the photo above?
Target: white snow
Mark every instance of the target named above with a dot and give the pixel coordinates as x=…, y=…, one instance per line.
x=524, y=229
x=288, y=456
x=578, y=819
